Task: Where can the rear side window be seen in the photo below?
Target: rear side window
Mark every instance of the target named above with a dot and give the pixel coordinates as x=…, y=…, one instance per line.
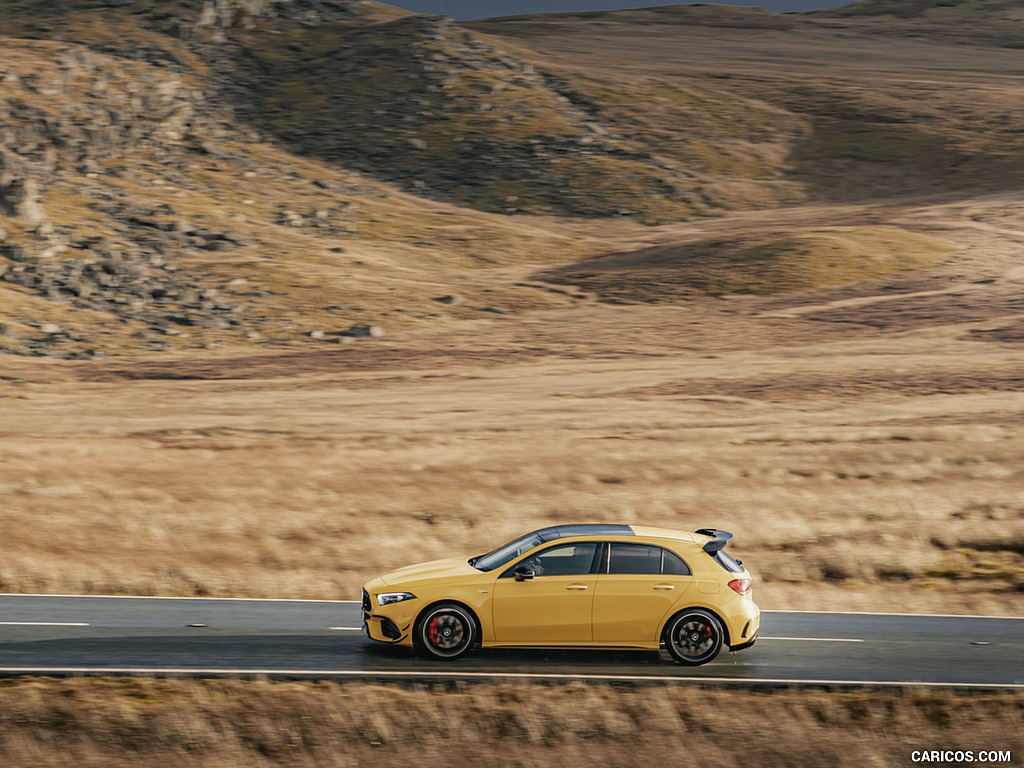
x=643, y=559
x=727, y=561
x=674, y=564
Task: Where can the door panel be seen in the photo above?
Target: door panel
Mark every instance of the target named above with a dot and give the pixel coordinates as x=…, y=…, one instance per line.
x=638, y=586
x=553, y=608
x=628, y=608
x=545, y=610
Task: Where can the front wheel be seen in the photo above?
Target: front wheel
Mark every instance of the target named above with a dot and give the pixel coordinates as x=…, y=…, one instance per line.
x=446, y=632
x=694, y=637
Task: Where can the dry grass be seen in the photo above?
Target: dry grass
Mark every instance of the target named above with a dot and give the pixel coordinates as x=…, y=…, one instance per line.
x=762, y=264
x=857, y=467
x=126, y=722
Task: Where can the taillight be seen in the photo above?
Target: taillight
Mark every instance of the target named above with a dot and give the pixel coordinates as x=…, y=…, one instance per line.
x=740, y=586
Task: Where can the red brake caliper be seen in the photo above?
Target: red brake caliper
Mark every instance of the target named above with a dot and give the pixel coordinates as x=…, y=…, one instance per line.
x=432, y=631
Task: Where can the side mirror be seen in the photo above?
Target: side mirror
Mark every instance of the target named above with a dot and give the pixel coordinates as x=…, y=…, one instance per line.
x=523, y=572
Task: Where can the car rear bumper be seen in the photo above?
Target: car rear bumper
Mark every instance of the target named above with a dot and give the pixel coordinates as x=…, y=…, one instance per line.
x=743, y=646
x=744, y=625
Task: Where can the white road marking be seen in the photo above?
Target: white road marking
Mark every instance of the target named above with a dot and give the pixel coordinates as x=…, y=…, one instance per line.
x=43, y=624
x=347, y=629
x=321, y=673
x=913, y=615
x=816, y=639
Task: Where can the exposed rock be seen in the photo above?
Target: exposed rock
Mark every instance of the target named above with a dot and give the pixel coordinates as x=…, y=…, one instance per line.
x=218, y=245
x=364, y=331
x=225, y=14
x=20, y=198
x=11, y=168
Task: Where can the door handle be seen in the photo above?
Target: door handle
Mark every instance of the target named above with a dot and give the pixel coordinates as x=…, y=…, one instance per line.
x=577, y=586
x=663, y=586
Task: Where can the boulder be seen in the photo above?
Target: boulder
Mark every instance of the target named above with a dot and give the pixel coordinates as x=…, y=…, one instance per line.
x=364, y=331
x=20, y=198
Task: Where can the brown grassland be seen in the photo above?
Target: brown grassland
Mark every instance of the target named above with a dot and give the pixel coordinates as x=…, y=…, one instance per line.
x=864, y=443
x=826, y=358
x=128, y=722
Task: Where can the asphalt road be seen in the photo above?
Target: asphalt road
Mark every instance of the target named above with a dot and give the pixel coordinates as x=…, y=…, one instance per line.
x=95, y=635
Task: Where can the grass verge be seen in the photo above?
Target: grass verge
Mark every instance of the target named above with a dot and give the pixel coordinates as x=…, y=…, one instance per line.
x=132, y=721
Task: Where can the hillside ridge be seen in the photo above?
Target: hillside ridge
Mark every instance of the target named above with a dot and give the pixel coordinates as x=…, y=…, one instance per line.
x=186, y=175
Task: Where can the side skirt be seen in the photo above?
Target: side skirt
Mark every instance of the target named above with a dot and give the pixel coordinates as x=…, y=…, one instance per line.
x=574, y=646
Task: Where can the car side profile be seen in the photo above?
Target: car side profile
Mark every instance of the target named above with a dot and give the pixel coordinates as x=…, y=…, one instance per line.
x=593, y=586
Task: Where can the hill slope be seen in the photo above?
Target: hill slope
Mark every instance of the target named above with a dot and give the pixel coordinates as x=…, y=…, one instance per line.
x=183, y=174
x=996, y=22
x=136, y=214
x=409, y=99
x=763, y=264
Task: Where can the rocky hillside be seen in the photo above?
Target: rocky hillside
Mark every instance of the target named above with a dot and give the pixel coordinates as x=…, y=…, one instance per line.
x=412, y=100
x=194, y=173
x=138, y=213
x=446, y=114
x=83, y=133
x=157, y=157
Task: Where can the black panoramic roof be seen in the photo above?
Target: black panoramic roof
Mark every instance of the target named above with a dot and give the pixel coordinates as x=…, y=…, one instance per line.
x=584, y=529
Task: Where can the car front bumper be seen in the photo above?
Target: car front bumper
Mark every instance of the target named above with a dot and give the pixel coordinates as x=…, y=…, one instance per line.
x=393, y=630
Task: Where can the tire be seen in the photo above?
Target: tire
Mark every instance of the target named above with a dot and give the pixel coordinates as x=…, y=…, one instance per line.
x=445, y=631
x=694, y=637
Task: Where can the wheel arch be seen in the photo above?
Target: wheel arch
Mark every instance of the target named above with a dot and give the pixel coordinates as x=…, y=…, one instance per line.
x=726, y=640
x=448, y=601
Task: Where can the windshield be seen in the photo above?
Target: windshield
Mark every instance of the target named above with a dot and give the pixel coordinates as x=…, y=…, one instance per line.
x=508, y=552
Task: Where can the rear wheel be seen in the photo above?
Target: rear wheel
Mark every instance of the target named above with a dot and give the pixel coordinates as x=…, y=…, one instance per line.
x=694, y=637
x=445, y=631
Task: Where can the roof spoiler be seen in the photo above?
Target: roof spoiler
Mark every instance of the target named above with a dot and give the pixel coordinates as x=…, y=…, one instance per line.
x=721, y=538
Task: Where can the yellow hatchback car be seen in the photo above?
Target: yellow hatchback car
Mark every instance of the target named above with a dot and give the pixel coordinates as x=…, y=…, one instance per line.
x=573, y=586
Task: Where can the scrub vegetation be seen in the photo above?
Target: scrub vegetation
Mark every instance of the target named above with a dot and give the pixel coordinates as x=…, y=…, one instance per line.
x=125, y=722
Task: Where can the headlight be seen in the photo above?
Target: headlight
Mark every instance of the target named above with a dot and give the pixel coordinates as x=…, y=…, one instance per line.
x=394, y=597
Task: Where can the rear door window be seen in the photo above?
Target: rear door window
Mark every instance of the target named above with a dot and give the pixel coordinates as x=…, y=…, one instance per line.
x=631, y=558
